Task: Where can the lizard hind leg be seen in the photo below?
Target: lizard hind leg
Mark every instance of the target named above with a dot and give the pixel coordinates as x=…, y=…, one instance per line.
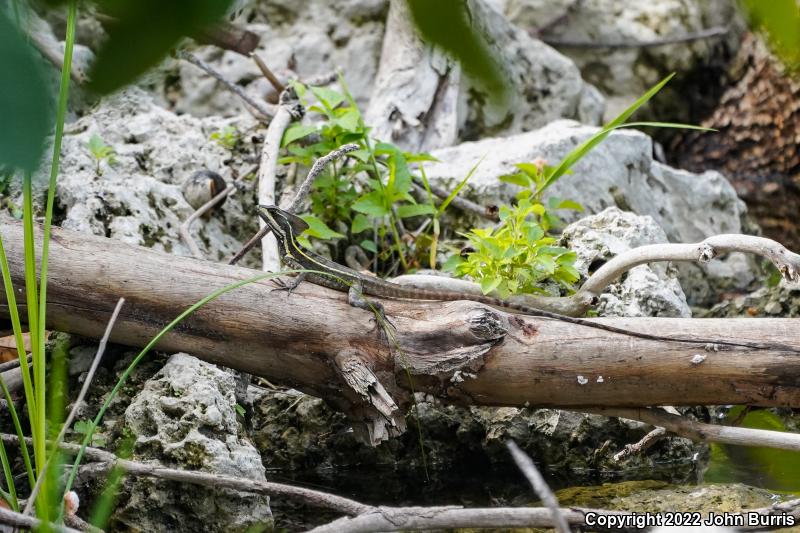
x=356, y=298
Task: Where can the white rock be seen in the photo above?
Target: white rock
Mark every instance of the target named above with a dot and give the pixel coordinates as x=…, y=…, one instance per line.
x=646, y=290
x=138, y=199
x=623, y=74
x=184, y=417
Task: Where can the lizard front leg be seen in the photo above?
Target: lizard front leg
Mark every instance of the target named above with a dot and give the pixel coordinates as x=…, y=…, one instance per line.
x=355, y=297
x=290, y=286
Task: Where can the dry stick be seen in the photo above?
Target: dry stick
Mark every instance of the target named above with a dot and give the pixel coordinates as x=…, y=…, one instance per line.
x=263, y=111
x=11, y=518
x=538, y=484
x=55, y=57
x=101, y=348
x=716, y=31
x=426, y=518
x=271, y=261
x=273, y=80
x=202, y=210
x=701, y=432
x=490, y=212
x=643, y=444
x=10, y=365
x=106, y=460
x=184, y=229
x=787, y=262
x=315, y=171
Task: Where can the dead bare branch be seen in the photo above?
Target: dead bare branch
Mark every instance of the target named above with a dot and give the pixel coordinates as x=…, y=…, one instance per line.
x=701, y=432
x=261, y=110
x=539, y=485
x=101, y=348
x=710, y=33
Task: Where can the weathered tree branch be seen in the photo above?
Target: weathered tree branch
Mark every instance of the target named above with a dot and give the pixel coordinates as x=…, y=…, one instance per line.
x=261, y=110
x=787, y=262
x=459, y=351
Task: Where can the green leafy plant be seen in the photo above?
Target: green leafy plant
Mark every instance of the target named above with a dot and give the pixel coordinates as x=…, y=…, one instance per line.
x=84, y=427
x=44, y=420
x=518, y=256
x=228, y=137
x=366, y=197
x=101, y=152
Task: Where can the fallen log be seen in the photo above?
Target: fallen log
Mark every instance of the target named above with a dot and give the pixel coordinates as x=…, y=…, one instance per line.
x=462, y=352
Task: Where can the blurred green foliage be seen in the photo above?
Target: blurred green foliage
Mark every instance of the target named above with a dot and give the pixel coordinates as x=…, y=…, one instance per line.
x=449, y=24
x=780, y=21
x=26, y=102
x=142, y=32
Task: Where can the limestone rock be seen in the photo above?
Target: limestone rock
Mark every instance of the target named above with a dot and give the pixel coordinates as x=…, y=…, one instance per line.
x=623, y=74
x=645, y=290
x=619, y=172
x=309, y=38
x=184, y=417
x=137, y=198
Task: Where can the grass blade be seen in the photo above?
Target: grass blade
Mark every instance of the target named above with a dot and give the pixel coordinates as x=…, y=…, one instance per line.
x=575, y=155
x=460, y=186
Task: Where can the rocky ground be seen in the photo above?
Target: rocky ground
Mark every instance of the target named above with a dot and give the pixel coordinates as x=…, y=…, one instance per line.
x=183, y=412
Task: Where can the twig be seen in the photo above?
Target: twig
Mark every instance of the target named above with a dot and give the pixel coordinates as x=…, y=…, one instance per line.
x=267, y=171
x=249, y=245
x=574, y=6
x=638, y=447
x=273, y=80
x=229, y=37
x=538, y=484
x=716, y=31
x=263, y=111
x=426, y=518
x=491, y=212
x=101, y=348
x=185, y=228
x=316, y=170
x=297, y=201
x=701, y=432
x=786, y=262
x=10, y=365
x=11, y=518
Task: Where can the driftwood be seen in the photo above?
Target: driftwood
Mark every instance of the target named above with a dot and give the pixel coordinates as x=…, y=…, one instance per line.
x=459, y=351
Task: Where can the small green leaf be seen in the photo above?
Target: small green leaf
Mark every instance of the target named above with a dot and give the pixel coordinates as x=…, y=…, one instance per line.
x=371, y=204
x=327, y=97
x=317, y=228
x=297, y=131
x=489, y=284
x=569, y=204
x=360, y=223
x=452, y=262
x=415, y=210
x=369, y=246
x=26, y=104
x=520, y=179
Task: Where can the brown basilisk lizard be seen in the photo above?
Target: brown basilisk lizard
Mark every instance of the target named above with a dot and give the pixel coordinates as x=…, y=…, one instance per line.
x=287, y=226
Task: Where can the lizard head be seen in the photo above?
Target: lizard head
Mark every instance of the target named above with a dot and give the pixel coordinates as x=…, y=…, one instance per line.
x=286, y=226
